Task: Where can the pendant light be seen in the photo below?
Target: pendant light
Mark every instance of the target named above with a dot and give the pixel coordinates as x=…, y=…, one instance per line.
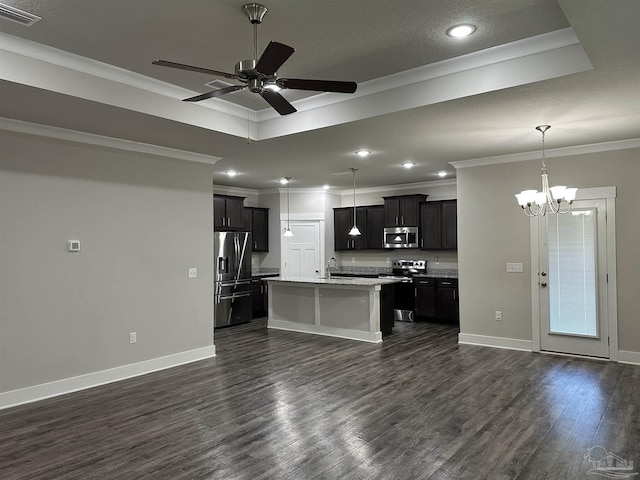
x=536, y=203
x=354, y=232
x=287, y=231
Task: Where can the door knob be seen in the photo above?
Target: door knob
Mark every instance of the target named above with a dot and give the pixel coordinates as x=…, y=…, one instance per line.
x=544, y=274
x=543, y=284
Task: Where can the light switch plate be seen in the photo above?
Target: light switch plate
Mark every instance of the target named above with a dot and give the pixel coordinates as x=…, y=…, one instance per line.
x=514, y=268
x=193, y=273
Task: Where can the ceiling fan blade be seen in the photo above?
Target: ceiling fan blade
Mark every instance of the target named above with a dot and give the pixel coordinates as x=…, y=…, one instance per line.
x=318, y=85
x=273, y=57
x=215, y=93
x=182, y=66
x=278, y=102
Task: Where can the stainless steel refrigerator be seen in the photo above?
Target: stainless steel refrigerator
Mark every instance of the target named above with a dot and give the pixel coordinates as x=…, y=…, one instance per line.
x=232, y=275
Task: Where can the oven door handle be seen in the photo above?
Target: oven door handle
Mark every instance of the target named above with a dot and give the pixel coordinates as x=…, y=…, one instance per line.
x=233, y=296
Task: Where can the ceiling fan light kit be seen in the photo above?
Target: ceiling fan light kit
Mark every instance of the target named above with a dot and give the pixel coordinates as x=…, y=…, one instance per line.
x=258, y=75
x=550, y=199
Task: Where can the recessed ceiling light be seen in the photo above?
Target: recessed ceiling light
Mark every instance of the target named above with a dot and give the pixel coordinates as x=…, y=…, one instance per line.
x=459, y=31
x=363, y=153
x=408, y=164
x=442, y=173
x=231, y=173
x=326, y=187
x=284, y=181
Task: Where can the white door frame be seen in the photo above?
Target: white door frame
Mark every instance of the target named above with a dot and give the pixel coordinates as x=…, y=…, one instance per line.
x=608, y=194
x=306, y=218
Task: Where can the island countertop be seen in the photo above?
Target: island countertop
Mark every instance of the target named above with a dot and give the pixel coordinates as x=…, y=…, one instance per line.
x=359, y=281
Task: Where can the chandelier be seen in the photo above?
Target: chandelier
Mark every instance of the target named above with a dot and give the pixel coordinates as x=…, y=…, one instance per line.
x=536, y=203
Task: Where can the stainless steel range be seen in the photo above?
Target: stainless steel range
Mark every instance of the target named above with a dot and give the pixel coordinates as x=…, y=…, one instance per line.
x=404, y=270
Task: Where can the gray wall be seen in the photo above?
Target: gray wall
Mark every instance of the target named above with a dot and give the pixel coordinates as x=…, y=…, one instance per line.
x=492, y=230
x=142, y=220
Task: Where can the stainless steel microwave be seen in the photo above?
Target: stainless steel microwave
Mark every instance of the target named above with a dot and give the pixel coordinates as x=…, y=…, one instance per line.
x=400, y=237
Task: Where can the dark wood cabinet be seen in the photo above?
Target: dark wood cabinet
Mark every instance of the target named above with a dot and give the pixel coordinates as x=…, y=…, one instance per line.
x=375, y=227
x=436, y=299
x=403, y=210
x=342, y=223
x=447, y=300
x=450, y=225
x=425, y=292
x=259, y=297
x=369, y=220
x=439, y=225
x=256, y=221
x=228, y=213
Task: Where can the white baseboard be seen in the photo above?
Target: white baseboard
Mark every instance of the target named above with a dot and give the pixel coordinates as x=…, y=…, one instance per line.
x=496, y=342
x=327, y=331
x=67, y=385
x=629, y=357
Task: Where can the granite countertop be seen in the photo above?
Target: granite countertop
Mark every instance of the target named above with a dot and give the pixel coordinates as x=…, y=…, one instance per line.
x=265, y=272
x=431, y=273
x=359, y=281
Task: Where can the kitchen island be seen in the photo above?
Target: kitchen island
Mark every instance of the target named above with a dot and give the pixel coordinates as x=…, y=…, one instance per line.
x=354, y=308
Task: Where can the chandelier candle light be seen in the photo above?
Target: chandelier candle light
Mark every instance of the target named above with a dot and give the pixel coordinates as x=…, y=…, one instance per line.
x=354, y=232
x=287, y=231
x=536, y=203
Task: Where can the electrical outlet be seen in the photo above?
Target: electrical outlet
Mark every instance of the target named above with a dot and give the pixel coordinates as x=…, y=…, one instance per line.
x=498, y=316
x=133, y=337
x=193, y=273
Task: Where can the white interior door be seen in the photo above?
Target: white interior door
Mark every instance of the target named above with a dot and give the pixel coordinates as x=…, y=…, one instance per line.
x=572, y=280
x=301, y=254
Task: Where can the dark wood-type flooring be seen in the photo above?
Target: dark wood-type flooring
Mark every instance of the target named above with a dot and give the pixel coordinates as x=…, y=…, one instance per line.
x=283, y=405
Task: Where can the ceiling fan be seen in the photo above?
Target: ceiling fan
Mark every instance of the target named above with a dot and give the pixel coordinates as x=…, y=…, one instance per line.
x=259, y=75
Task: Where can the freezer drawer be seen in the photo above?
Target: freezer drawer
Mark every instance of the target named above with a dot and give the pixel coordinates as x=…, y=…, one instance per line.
x=232, y=309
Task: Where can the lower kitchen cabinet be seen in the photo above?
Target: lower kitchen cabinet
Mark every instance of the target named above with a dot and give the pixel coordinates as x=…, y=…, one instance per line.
x=259, y=297
x=425, y=293
x=437, y=299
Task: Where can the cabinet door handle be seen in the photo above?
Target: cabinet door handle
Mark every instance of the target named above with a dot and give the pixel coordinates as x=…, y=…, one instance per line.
x=422, y=243
x=223, y=220
x=415, y=292
x=402, y=219
x=396, y=220
x=454, y=294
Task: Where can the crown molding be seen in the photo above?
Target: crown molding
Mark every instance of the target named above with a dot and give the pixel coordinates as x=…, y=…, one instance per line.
x=549, y=153
x=400, y=187
x=235, y=191
x=18, y=126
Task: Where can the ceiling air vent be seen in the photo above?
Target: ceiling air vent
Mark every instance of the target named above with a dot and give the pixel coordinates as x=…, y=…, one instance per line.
x=16, y=15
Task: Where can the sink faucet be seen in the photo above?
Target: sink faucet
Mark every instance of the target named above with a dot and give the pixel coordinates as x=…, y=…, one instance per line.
x=335, y=264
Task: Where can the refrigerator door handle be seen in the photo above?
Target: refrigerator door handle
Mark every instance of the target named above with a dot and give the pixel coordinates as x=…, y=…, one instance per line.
x=235, y=295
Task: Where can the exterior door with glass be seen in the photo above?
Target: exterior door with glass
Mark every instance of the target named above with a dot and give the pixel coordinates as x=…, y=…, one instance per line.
x=572, y=280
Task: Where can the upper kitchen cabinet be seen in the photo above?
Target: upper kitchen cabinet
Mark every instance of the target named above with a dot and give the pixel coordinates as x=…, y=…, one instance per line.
x=438, y=225
x=228, y=213
x=375, y=227
x=256, y=221
x=403, y=210
x=369, y=220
